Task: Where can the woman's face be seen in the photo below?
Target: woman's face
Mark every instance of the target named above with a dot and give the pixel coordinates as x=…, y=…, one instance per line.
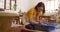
x=40, y=8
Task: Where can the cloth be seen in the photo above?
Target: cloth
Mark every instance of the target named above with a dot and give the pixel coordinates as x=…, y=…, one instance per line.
x=41, y=27
x=57, y=28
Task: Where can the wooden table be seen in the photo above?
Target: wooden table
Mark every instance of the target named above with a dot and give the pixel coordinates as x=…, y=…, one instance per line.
x=6, y=19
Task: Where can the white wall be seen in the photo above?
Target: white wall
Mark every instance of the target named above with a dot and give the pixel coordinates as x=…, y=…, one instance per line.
x=59, y=1
x=24, y=5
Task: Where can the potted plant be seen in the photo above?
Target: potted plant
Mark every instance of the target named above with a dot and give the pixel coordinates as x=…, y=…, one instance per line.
x=15, y=6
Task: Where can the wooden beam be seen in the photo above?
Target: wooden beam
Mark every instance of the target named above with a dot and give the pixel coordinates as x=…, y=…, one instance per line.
x=10, y=4
x=4, y=4
x=15, y=1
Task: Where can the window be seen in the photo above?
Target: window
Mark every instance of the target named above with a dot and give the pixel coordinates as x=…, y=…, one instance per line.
x=1, y=3
x=6, y=4
x=51, y=5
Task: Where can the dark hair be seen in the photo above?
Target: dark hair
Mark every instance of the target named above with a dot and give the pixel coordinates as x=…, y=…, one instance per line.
x=40, y=4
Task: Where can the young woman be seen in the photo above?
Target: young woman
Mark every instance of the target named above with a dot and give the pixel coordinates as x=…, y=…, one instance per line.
x=34, y=13
x=33, y=17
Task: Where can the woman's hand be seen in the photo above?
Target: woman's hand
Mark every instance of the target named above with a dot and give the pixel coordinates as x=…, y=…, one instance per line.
x=33, y=21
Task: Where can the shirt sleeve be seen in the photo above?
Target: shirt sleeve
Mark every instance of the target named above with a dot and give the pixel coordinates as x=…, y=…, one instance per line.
x=30, y=13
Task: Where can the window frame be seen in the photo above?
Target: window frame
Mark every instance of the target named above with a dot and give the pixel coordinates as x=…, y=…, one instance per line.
x=9, y=5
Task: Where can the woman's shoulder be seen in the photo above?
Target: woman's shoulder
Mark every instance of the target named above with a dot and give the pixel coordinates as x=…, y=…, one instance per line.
x=32, y=9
